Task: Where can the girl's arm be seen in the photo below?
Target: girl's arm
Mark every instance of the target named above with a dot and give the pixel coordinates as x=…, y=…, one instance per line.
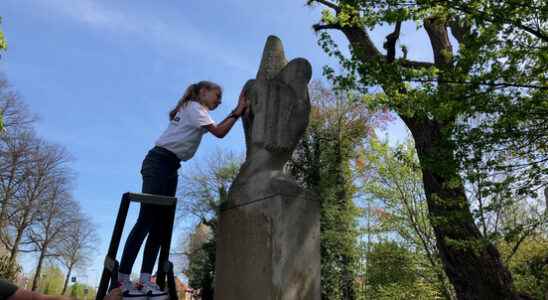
x=224, y=127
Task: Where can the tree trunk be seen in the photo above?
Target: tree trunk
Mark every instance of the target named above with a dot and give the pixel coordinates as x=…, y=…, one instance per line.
x=472, y=264
x=22, y=226
x=347, y=284
x=7, y=195
x=66, y=280
x=38, y=269
x=15, y=247
x=4, y=208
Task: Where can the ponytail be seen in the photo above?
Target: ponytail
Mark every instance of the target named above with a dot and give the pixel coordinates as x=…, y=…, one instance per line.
x=192, y=93
x=189, y=93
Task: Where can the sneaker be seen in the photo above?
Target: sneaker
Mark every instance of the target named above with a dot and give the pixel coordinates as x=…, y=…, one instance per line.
x=153, y=291
x=130, y=292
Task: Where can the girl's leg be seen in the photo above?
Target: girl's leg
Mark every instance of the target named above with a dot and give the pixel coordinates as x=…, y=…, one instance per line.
x=158, y=231
x=152, y=172
x=136, y=237
x=154, y=241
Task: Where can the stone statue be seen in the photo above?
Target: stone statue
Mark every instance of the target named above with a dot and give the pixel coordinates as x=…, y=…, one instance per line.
x=275, y=121
x=268, y=239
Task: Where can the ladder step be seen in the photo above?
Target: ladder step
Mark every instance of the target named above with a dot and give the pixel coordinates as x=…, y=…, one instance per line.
x=152, y=199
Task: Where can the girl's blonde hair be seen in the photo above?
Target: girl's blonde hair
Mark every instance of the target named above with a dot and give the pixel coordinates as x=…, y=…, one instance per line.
x=192, y=93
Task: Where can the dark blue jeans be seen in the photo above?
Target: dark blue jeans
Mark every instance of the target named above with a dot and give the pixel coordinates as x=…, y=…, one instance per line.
x=159, y=171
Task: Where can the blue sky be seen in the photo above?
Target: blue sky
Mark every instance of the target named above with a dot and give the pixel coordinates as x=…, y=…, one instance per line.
x=102, y=76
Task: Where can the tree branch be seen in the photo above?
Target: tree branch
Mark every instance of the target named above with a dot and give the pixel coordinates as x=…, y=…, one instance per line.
x=361, y=43
x=390, y=43
x=318, y=27
x=414, y=64
x=439, y=39
x=492, y=84
x=327, y=3
x=460, y=29
x=497, y=18
x=364, y=46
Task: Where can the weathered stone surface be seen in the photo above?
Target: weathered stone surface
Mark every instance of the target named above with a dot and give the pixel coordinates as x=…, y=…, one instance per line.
x=271, y=250
x=268, y=244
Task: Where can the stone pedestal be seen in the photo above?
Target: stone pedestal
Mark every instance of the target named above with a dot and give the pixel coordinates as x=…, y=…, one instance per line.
x=268, y=248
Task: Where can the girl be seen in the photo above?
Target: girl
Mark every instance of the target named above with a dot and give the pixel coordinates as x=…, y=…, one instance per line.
x=189, y=120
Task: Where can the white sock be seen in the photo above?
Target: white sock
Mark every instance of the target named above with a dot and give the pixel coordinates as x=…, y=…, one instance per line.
x=145, y=277
x=123, y=277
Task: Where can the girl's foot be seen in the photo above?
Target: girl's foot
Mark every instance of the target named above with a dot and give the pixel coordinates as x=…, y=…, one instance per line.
x=153, y=291
x=130, y=292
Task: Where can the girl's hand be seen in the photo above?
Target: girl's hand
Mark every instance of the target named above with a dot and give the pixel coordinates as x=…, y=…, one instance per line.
x=241, y=104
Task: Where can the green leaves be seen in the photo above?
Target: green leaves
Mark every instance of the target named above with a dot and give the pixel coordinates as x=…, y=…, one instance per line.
x=9, y=270
x=494, y=85
x=3, y=47
x=3, y=43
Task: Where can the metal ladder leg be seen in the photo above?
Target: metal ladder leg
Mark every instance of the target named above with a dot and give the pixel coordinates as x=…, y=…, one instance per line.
x=165, y=267
x=110, y=265
x=110, y=270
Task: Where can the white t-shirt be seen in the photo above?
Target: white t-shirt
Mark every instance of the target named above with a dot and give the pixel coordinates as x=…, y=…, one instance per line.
x=184, y=132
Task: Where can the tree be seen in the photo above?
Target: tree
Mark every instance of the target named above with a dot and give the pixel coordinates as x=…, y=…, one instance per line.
x=441, y=100
x=15, y=141
x=46, y=163
x=390, y=263
x=52, y=280
x=201, y=261
x=393, y=274
x=3, y=44
x=529, y=265
x=322, y=162
x=15, y=159
x=55, y=217
x=204, y=188
x=206, y=184
x=16, y=114
x=3, y=47
x=82, y=291
x=9, y=270
x=391, y=176
x=75, y=249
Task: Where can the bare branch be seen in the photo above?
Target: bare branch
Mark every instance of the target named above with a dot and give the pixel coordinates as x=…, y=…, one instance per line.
x=390, y=44
x=327, y=3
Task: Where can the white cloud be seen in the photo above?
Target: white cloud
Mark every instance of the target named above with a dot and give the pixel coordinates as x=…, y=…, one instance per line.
x=169, y=37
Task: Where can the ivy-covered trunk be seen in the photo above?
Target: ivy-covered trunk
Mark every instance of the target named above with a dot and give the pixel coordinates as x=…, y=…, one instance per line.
x=337, y=196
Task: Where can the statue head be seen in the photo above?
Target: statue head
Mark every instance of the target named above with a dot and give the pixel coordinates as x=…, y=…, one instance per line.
x=275, y=121
x=279, y=104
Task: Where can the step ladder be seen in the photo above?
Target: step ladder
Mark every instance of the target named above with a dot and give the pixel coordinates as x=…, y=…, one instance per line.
x=109, y=278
